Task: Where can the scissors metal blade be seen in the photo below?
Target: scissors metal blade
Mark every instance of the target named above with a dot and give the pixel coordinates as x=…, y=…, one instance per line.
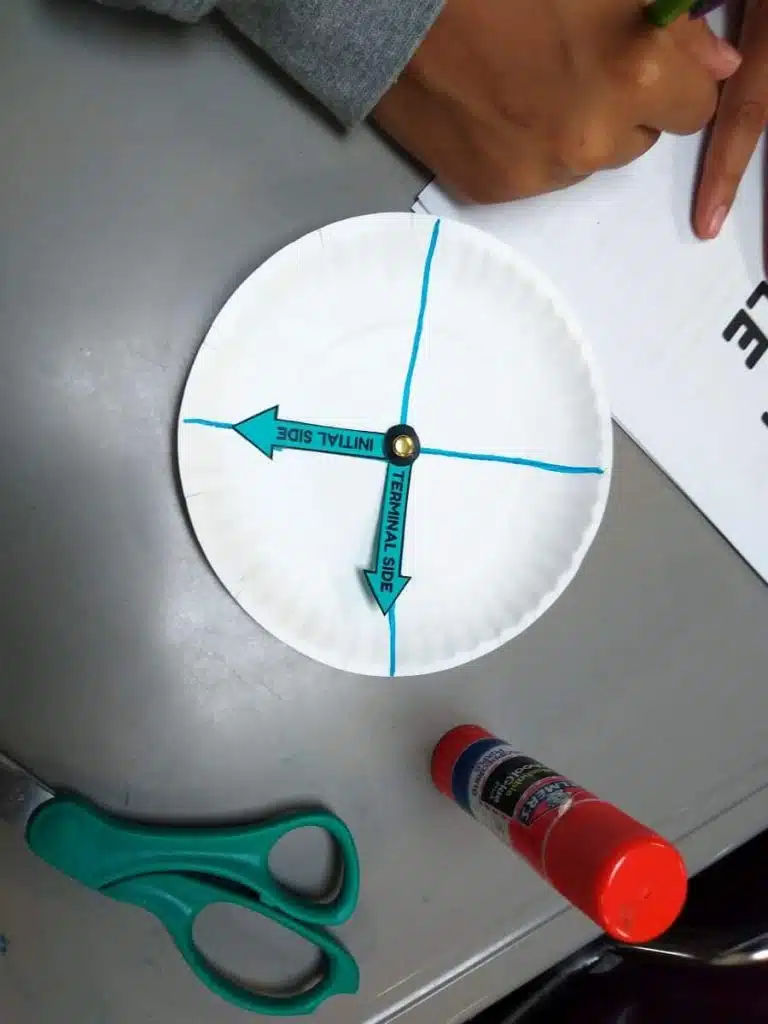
x=20, y=793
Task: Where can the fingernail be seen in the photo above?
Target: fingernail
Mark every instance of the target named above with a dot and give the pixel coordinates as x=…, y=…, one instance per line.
x=716, y=221
x=729, y=55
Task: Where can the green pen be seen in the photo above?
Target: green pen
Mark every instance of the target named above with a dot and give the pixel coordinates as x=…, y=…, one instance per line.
x=663, y=12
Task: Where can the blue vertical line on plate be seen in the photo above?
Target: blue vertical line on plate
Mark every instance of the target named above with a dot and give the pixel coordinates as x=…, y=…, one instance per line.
x=514, y=460
x=425, y=281
x=392, y=641
x=426, y=278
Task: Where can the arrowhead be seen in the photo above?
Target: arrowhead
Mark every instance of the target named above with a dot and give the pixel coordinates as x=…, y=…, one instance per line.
x=385, y=599
x=260, y=430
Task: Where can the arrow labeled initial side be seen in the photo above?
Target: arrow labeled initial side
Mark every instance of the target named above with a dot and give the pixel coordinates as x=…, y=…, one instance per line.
x=386, y=580
x=266, y=432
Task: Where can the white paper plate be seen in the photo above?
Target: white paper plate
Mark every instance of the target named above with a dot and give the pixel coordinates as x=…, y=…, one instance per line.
x=327, y=330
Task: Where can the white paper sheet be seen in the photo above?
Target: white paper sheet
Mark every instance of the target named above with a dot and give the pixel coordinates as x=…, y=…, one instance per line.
x=655, y=303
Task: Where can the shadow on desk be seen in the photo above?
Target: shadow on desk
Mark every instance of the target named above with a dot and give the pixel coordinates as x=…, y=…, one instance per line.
x=730, y=897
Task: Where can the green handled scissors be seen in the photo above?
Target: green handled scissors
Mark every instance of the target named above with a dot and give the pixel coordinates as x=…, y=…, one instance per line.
x=175, y=873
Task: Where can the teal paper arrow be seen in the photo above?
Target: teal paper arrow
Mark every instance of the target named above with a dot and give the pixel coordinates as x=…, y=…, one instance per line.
x=266, y=432
x=386, y=580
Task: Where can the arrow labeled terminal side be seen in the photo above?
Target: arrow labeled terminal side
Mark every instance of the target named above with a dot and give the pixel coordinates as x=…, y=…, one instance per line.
x=386, y=580
x=266, y=431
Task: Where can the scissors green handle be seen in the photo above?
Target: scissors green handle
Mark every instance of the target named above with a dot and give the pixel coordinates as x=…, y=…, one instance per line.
x=175, y=873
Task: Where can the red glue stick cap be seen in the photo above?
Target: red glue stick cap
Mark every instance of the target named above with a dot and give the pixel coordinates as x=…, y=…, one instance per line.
x=628, y=879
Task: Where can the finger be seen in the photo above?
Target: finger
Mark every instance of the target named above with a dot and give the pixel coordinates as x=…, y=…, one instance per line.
x=662, y=86
x=740, y=122
x=714, y=54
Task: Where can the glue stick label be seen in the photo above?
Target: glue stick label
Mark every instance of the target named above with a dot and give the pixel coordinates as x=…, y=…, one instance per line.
x=516, y=797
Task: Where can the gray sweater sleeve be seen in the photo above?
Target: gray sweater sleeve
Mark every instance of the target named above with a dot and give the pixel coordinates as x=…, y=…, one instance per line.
x=347, y=53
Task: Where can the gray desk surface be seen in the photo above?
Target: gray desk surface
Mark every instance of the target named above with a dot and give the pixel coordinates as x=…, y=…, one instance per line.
x=145, y=171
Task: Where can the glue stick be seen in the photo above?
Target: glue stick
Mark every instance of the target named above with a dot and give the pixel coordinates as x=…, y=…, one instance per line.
x=621, y=874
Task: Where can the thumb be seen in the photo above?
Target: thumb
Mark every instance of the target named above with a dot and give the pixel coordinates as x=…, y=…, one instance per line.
x=714, y=54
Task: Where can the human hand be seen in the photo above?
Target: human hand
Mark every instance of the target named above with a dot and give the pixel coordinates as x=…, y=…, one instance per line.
x=740, y=121
x=509, y=98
